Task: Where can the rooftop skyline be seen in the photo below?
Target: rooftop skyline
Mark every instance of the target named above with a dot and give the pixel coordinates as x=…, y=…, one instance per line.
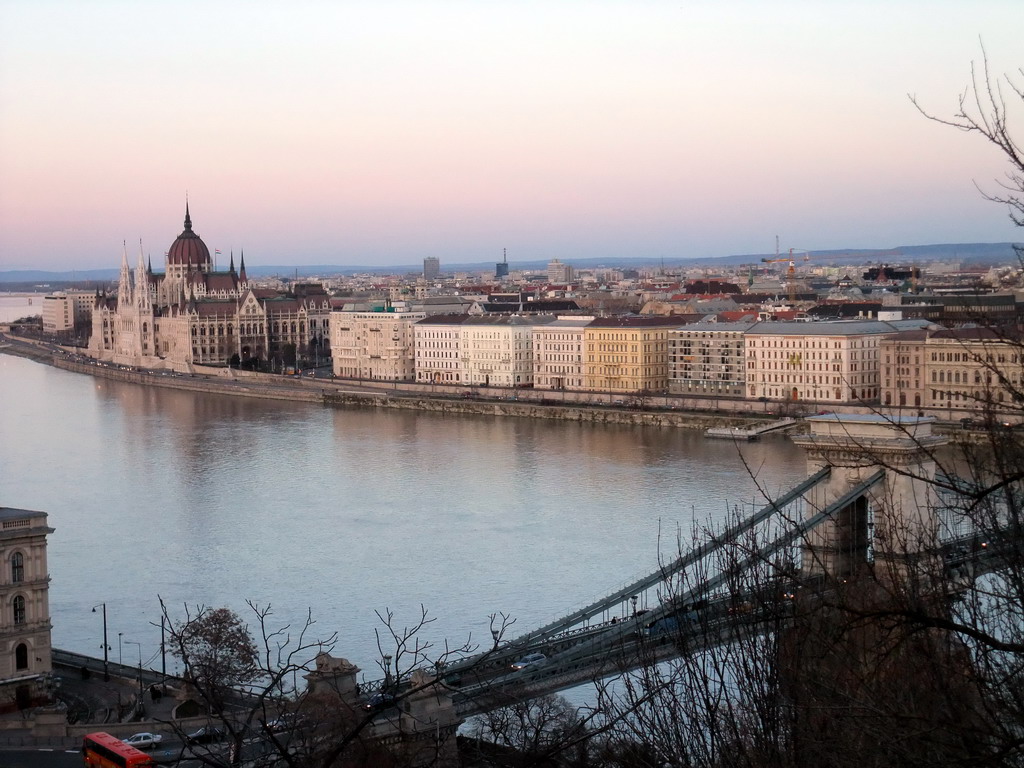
x=382, y=133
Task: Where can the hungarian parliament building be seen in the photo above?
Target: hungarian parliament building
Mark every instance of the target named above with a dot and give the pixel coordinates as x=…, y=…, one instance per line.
x=192, y=314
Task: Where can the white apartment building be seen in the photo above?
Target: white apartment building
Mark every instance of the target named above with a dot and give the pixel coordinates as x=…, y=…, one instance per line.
x=558, y=353
x=63, y=311
x=829, y=362
x=708, y=359
x=497, y=351
x=437, y=349
x=374, y=345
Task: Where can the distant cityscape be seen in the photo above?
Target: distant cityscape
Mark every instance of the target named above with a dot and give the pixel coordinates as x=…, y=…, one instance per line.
x=789, y=327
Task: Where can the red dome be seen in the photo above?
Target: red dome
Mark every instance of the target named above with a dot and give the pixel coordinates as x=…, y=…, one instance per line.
x=189, y=249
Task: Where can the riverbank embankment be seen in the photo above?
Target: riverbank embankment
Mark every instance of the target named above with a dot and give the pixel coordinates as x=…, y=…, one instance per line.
x=342, y=394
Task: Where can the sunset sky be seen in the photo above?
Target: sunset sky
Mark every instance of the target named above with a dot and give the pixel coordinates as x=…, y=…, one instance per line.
x=375, y=133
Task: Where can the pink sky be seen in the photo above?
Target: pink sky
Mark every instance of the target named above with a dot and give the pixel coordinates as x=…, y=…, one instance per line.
x=380, y=133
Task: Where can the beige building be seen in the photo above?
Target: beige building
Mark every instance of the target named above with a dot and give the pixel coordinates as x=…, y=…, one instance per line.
x=826, y=362
x=67, y=310
x=25, y=653
x=374, y=345
x=559, y=273
x=558, y=353
x=497, y=350
x=965, y=368
x=627, y=354
x=708, y=359
x=437, y=349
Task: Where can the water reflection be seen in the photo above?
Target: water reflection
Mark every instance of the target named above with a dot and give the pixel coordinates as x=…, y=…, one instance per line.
x=211, y=499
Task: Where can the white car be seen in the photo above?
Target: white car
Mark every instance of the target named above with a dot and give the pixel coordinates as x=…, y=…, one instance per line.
x=143, y=740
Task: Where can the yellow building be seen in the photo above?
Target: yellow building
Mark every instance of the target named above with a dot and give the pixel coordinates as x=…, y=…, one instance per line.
x=627, y=354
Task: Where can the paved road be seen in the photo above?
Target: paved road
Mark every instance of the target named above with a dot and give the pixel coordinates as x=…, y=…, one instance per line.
x=40, y=758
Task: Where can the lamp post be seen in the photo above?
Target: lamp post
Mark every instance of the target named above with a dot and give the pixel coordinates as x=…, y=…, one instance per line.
x=634, y=599
x=132, y=642
x=106, y=647
x=120, y=660
x=163, y=654
x=387, y=671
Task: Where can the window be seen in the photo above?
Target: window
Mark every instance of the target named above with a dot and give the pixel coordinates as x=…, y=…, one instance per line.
x=17, y=567
x=19, y=609
x=21, y=656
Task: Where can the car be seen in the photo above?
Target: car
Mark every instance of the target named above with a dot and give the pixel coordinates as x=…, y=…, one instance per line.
x=143, y=740
x=378, y=700
x=206, y=734
x=529, y=661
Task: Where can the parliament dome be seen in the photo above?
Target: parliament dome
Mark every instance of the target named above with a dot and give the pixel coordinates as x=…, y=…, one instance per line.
x=188, y=249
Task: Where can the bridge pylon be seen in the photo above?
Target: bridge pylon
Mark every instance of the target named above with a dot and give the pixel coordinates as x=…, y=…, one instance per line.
x=893, y=523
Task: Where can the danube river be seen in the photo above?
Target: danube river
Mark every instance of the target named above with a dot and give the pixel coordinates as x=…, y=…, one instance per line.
x=205, y=499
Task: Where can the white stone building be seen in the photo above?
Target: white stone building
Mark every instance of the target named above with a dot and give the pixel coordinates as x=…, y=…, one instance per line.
x=826, y=362
x=67, y=310
x=193, y=314
x=374, y=345
x=437, y=349
x=25, y=652
x=497, y=351
x=558, y=353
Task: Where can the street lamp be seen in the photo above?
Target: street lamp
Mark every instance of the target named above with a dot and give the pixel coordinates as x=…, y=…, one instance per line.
x=120, y=660
x=634, y=599
x=132, y=642
x=106, y=647
x=387, y=670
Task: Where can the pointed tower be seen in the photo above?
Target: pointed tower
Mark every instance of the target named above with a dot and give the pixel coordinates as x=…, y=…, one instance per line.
x=142, y=298
x=124, y=286
x=243, y=283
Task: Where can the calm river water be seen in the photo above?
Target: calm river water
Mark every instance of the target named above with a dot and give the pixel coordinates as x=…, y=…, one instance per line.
x=212, y=500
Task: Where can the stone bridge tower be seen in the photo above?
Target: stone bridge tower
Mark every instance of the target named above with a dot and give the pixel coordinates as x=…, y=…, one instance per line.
x=893, y=522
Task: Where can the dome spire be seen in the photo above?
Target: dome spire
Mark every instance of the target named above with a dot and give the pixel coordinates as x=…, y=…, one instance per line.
x=188, y=219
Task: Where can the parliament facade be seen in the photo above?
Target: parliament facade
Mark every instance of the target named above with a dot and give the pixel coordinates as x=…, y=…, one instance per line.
x=192, y=314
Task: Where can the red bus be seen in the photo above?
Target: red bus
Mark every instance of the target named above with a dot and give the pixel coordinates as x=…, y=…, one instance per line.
x=101, y=750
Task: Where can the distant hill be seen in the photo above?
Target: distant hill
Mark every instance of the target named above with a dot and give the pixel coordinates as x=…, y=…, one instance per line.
x=967, y=253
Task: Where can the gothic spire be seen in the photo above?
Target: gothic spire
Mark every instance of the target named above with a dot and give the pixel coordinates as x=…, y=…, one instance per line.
x=241, y=267
x=188, y=219
x=231, y=268
x=124, y=286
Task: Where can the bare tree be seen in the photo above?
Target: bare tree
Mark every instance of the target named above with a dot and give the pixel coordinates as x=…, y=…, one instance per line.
x=984, y=108
x=242, y=681
x=279, y=697
x=544, y=731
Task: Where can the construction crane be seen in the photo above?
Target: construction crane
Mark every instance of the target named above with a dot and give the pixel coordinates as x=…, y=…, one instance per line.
x=791, y=272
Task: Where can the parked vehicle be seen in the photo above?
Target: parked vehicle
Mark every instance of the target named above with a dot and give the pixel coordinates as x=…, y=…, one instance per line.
x=143, y=740
x=206, y=735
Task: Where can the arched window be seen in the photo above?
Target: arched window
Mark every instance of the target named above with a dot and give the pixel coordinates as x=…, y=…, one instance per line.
x=21, y=656
x=19, y=609
x=17, y=567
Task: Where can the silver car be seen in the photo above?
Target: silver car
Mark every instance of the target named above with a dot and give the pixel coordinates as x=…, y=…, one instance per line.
x=143, y=740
